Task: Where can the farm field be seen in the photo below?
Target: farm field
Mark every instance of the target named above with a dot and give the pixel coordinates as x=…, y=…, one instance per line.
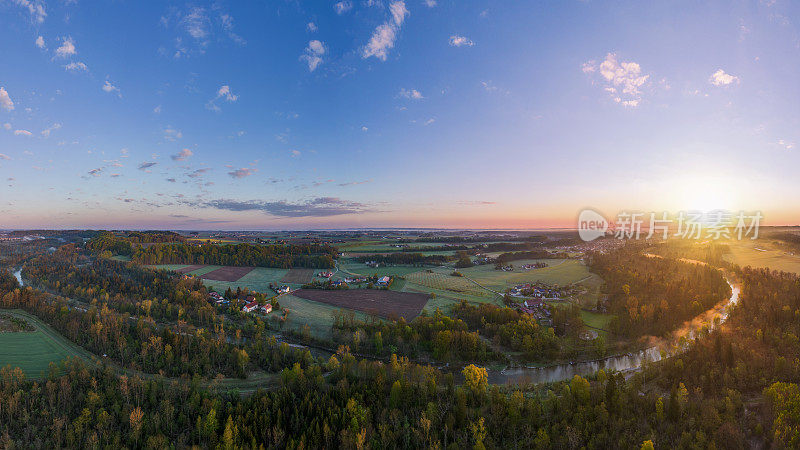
x=349, y=266
x=558, y=271
x=298, y=276
x=318, y=316
x=227, y=273
x=34, y=351
x=257, y=279
x=762, y=254
x=372, y=301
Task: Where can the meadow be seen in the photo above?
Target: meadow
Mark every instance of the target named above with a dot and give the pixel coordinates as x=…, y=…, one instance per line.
x=34, y=351
x=762, y=253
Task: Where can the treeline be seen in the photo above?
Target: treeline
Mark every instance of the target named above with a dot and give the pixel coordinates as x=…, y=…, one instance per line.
x=127, y=287
x=110, y=243
x=404, y=258
x=651, y=295
x=153, y=236
x=311, y=255
x=511, y=329
x=437, y=337
x=532, y=254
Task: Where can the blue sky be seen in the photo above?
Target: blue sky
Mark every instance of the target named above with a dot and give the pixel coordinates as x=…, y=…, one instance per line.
x=283, y=114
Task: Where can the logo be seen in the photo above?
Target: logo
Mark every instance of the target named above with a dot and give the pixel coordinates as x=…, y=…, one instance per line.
x=591, y=225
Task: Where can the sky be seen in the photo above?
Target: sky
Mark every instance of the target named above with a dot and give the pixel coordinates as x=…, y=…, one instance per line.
x=373, y=113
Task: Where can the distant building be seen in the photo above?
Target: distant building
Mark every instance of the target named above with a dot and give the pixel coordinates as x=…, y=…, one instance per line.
x=250, y=306
x=266, y=309
x=383, y=281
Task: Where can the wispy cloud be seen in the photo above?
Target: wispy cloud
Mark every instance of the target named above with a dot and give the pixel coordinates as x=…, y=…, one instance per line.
x=410, y=94
x=35, y=8
x=311, y=27
x=76, y=66
x=110, y=88
x=354, y=183
x=242, y=173
x=23, y=133
x=385, y=35
x=172, y=134
x=343, y=6
x=146, y=165
x=317, y=207
x=46, y=132
x=224, y=93
x=182, y=155
x=40, y=42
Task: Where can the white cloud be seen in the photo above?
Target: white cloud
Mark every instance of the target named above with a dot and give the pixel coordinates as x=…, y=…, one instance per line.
x=5, y=100
x=429, y=121
x=364, y=128
x=172, y=134
x=182, y=155
x=157, y=109
x=40, y=42
x=46, y=132
x=196, y=23
x=23, y=133
x=313, y=54
x=225, y=93
x=410, y=94
x=67, y=48
x=399, y=12
x=312, y=27
x=295, y=153
x=460, y=41
x=384, y=36
x=108, y=87
x=34, y=7
x=343, y=6
x=76, y=67
x=720, y=78
x=785, y=144
x=429, y=3
x=623, y=80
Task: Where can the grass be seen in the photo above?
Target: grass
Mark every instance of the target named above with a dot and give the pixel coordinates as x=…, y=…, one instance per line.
x=204, y=270
x=169, y=266
x=34, y=351
x=318, y=316
x=762, y=253
x=121, y=258
x=257, y=280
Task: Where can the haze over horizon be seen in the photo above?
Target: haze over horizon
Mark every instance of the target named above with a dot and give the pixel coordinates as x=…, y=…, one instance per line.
x=393, y=114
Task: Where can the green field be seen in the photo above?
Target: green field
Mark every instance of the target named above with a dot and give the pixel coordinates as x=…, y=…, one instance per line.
x=34, y=351
x=318, y=316
x=257, y=280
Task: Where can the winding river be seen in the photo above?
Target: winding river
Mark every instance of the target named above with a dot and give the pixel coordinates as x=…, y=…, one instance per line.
x=18, y=276
x=677, y=343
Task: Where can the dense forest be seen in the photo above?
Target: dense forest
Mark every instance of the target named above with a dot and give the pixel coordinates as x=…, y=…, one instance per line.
x=651, y=295
x=320, y=256
x=404, y=258
x=531, y=254
x=438, y=337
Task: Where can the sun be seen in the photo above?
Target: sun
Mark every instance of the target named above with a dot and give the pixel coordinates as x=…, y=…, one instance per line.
x=705, y=193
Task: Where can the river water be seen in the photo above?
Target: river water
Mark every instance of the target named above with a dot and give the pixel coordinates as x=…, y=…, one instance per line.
x=677, y=343
x=18, y=276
